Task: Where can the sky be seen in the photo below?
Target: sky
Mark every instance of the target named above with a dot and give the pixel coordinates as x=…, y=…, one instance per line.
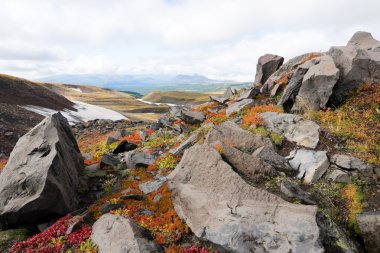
x=221, y=39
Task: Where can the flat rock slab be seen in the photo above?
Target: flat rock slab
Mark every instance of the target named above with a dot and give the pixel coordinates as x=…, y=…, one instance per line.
x=135, y=158
x=193, y=117
x=113, y=233
x=311, y=165
x=231, y=134
x=41, y=177
x=293, y=127
x=151, y=186
x=219, y=206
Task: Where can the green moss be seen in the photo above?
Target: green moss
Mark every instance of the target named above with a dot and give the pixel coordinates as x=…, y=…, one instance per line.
x=260, y=131
x=276, y=138
x=167, y=163
x=9, y=237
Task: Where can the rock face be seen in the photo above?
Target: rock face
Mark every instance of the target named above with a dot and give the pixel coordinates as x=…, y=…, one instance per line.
x=369, y=224
x=41, y=177
x=310, y=164
x=113, y=233
x=266, y=66
x=269, y=155
x=219, y=206
x=293, y=127
x=359, y=62
x=317, y=85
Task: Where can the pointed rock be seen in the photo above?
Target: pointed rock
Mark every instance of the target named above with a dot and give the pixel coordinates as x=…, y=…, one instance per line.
x=266, y=66
x=41, y=177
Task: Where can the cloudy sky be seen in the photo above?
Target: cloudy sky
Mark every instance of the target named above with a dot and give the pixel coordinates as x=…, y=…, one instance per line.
x=221, y=39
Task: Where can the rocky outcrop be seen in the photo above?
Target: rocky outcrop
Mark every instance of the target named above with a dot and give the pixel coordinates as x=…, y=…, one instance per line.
x=365, y=171
x=192, y=117
x=219, y=206
x=41, y=177
x=269, y=155
x=317, y=85
x=266, y=66
x=293, y=127
x=359, y=62
x=113, y=233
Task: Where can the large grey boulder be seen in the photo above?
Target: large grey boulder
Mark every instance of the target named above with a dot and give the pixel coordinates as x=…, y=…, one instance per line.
x=231, y=134
x=41, y=177
x=269, y=155
x=293, y=127
x=364, y=40
x=369, y=224
x=114, y=233
x=219, y=206
x=249, y=93
x=317, y=85
x=359, y=62
x=239, y=106
x=311, y=165
x=266, y=66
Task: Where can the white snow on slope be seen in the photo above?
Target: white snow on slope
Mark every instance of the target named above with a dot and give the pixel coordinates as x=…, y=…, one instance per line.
x=76, y=89
x=85, y=112
x=153, y=103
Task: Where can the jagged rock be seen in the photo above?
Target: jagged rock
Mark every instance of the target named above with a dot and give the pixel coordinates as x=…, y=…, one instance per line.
x=220, y=100
x=338, y=176
x=250, y=93
x=286, y=70
x=151, y=186
x=269, y=155
x=114, y=138
x=41, y=176
x=133, y=196
x=364, y=40
x=135, y=158
x=288, y=98
x=219, y=206
x=293, y=127
x=113, y=233
x=193, y=117
x=356, y=63
x=231, y=134
x=175, y=111
x=247, y=165
x=310, y=164
x=143, y=135
x=240, y=105
x=266, y=66
x=292, y=190
x=228, y=93
x=317, y=85
x=124, y=146
x=369, y=224
x=108, y=160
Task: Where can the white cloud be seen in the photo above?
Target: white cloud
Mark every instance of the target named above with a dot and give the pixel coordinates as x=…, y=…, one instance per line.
x=219, y=38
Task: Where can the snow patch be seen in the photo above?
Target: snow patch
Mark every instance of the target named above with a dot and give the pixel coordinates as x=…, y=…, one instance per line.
x=76, y=89
x=152, y=103
x=85, y=112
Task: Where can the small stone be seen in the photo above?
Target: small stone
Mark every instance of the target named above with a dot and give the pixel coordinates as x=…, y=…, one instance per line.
x=152, y=186
x=239, y=106
x=124, y=146
x=338, y=176
x=157, y=198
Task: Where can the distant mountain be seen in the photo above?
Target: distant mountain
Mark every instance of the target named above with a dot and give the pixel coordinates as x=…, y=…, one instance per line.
x=146, y=83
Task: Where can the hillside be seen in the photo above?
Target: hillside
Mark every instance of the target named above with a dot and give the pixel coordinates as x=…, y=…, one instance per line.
x=176, y=97
x=16, y=121
x=111, y=99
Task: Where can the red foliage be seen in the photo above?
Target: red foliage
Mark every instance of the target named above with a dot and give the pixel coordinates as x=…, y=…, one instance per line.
x=134, y=137
x=54, y=239
x=3, y=162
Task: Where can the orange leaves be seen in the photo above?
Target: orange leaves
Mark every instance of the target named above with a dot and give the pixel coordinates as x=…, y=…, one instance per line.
x=134, y=137
x=310, y=57
x=3, y=162
x=355, y=203
x=253, y=116
x=217, y=118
